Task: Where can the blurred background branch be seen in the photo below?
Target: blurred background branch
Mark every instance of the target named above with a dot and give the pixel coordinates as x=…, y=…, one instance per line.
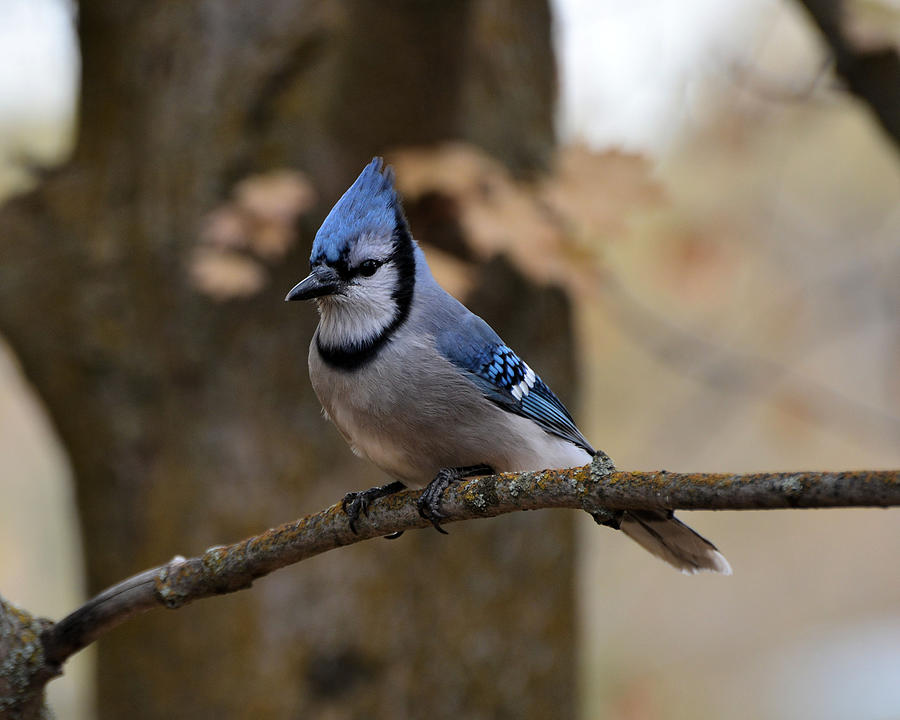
x=871, y=73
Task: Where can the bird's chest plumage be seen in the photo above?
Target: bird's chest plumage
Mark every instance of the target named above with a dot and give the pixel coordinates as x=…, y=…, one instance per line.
x=383, y=407
x=411, y=413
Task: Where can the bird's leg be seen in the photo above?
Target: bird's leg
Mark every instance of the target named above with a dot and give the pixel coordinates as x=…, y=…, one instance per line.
x=357, y=503
x=430, y=501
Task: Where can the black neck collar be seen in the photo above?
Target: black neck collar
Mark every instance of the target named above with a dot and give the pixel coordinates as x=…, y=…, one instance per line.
x=357, y=355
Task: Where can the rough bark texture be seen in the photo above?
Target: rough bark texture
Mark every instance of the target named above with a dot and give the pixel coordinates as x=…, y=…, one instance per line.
x=190, y=421
x=23, y=672
x=596, y=487
x=33, y=651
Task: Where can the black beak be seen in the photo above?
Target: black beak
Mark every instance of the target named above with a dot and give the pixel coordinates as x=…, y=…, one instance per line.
x=311, y=287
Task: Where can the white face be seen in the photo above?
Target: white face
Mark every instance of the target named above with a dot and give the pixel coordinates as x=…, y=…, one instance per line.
x=366, y=305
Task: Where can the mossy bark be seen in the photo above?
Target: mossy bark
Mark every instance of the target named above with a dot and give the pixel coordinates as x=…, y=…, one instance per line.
x=23, y=673
x=191, y=422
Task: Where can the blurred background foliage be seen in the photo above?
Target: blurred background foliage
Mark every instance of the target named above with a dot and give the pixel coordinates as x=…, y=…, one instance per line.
x=722, y=220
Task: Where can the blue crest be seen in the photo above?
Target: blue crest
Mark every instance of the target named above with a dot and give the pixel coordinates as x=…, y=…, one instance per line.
x=368, y=206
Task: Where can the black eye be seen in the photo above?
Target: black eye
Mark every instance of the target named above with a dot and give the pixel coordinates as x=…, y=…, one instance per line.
x=367, y=268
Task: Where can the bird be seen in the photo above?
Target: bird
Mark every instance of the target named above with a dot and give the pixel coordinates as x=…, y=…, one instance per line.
x=425, y=389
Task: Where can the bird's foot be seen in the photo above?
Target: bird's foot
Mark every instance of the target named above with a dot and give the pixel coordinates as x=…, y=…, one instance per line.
x=355, y=504
x=429, y=502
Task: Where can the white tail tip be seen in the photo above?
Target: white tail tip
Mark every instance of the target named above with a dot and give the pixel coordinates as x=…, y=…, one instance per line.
x=662, y=534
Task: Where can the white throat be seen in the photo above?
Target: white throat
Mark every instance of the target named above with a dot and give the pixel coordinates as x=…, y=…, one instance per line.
x=361, y=313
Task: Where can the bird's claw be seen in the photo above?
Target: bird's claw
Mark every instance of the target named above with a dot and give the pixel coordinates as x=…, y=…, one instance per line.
x=355, y=504
x=429, y=502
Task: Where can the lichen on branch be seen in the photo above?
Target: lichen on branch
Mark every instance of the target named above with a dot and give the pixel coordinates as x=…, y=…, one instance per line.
x=33, y=651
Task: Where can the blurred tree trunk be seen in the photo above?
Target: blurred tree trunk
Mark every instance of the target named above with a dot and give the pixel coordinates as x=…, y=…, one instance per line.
x=190, y=421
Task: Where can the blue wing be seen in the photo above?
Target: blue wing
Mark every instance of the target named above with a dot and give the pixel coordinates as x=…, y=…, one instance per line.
x=506, y=379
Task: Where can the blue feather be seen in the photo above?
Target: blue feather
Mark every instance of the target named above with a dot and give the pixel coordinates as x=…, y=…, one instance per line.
x=505, y=379
x=369, y=206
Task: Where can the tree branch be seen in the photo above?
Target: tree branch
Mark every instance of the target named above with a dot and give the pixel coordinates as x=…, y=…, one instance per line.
x=23, y=668
x=594, y=487
x=873, y=75
x=597, y=488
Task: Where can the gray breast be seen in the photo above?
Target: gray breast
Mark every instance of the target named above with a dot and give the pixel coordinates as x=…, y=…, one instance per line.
x=412, y=413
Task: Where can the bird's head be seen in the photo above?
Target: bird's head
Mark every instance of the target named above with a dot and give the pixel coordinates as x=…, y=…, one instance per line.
x=362, y=265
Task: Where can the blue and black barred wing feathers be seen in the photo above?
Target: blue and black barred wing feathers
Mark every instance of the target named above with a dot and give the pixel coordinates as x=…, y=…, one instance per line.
x=506, y=379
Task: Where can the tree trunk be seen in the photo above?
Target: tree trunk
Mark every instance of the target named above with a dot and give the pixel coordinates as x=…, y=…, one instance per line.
x=190, y=420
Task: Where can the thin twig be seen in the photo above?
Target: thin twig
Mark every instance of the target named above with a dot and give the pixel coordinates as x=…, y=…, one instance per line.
x=593, y=487
x=872, y=74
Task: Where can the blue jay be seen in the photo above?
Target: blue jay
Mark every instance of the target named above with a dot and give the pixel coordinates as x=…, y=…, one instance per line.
x=424, y=388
